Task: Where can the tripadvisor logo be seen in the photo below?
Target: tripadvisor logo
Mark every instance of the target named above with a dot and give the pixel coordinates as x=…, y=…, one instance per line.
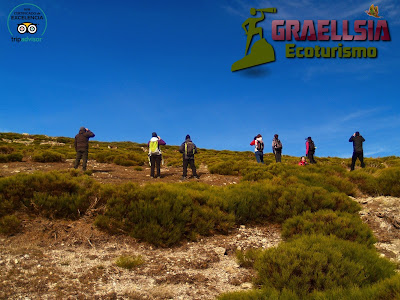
x=308, y=30
x=27, y=22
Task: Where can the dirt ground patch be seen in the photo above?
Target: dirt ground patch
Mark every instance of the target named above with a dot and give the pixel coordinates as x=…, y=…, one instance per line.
x=73, y=260
x=111, y=173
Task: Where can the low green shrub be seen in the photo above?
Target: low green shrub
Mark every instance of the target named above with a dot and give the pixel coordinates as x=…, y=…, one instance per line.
x=388, y=182
x=320, y=263
x=129, y=262
x=6, y=150
x=9, y=225
x=246, y=259
x=4, y=158
x=383, y=290
x=343, y=225
x=48, y=156
x=270, y=201
x=229, y=167
x=161, y=214
x=51, y=194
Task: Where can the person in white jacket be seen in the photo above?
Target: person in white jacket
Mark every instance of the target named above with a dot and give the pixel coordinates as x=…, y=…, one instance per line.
x=259, y=148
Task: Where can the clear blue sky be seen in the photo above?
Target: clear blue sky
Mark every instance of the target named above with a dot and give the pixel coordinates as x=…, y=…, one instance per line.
x=127, y=68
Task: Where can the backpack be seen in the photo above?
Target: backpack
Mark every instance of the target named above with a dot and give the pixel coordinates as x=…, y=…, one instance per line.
x=190, y=150
x=311, y=146
x=278, y=145
x=259, y=146
x=153, y=148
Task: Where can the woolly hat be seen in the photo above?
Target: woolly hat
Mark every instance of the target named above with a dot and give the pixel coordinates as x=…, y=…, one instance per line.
x=154, y=134
x=187, y=137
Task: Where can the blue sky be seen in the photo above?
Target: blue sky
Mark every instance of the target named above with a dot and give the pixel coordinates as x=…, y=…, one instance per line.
x=127, y=68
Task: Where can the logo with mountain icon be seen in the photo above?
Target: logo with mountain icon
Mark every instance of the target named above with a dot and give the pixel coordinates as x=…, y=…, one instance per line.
x=261, y=52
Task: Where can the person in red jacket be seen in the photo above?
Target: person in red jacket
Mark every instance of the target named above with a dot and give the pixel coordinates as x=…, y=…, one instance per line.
x=303, y=161
x=259, y=148
x=310, y=150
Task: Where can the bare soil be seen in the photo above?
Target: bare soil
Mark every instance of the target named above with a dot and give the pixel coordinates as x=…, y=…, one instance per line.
x=61, y=259
x=111, y=173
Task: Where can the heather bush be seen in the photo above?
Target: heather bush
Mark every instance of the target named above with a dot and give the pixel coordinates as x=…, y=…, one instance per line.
x=383, y=290
x=161, y=214
x=6, y=150
x=48, y=156
x=343, y=225
x=246, y=259
x=320, y=263
x=9, y=225
x=51, y=194
x=4, y=158
x=388, y=182
x=269, y=201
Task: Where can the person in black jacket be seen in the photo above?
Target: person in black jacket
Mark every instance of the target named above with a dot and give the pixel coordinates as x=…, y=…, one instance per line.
x=188, y=150
x=358, y=152
x=82, y=147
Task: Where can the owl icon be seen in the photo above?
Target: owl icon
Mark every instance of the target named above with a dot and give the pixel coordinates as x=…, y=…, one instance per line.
x=27, y=27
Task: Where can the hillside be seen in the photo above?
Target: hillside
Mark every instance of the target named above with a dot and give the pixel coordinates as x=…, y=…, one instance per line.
x=62, y=230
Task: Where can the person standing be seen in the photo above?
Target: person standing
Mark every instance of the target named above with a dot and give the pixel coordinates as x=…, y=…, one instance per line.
x=310, y=150
x=82, y=147
x=259, y=148
x=188, y=150
x=155, y=154
x=277, y=148
x=358, y=151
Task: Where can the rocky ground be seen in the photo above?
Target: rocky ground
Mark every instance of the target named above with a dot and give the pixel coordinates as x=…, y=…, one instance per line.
x=73, y=260
x=60, y=259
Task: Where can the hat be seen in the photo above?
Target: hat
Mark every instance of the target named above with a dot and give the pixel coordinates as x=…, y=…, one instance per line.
x=154, y=134
x=276, y=135
x=187, y=137
x=357, y=133
x=309, y=138
x=258, y=135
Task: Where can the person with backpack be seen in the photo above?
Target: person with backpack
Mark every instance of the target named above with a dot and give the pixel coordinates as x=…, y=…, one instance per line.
x=82, y=147
x=358, y=151
x=259, y=148
x=310, y=150
x=188, y=150
x=155, y=154
x=277, y=148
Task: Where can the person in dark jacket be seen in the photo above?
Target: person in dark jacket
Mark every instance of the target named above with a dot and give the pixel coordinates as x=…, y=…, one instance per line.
x=188, y=150
x=310, y=150
x=82, y=147
x=155, y=154
x=358, y=151
x=277, y=148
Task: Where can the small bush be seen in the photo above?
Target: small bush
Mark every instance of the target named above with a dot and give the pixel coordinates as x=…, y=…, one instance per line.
x=51, y=194
x=388, y=182
x=9, y=225
x=383, y=290
x=138, y=168
x=246, y=259
x=129, y=262
x=48, y=156
x=343, y=225
x=4, y=158
x=319, y=263
x=6, y=150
